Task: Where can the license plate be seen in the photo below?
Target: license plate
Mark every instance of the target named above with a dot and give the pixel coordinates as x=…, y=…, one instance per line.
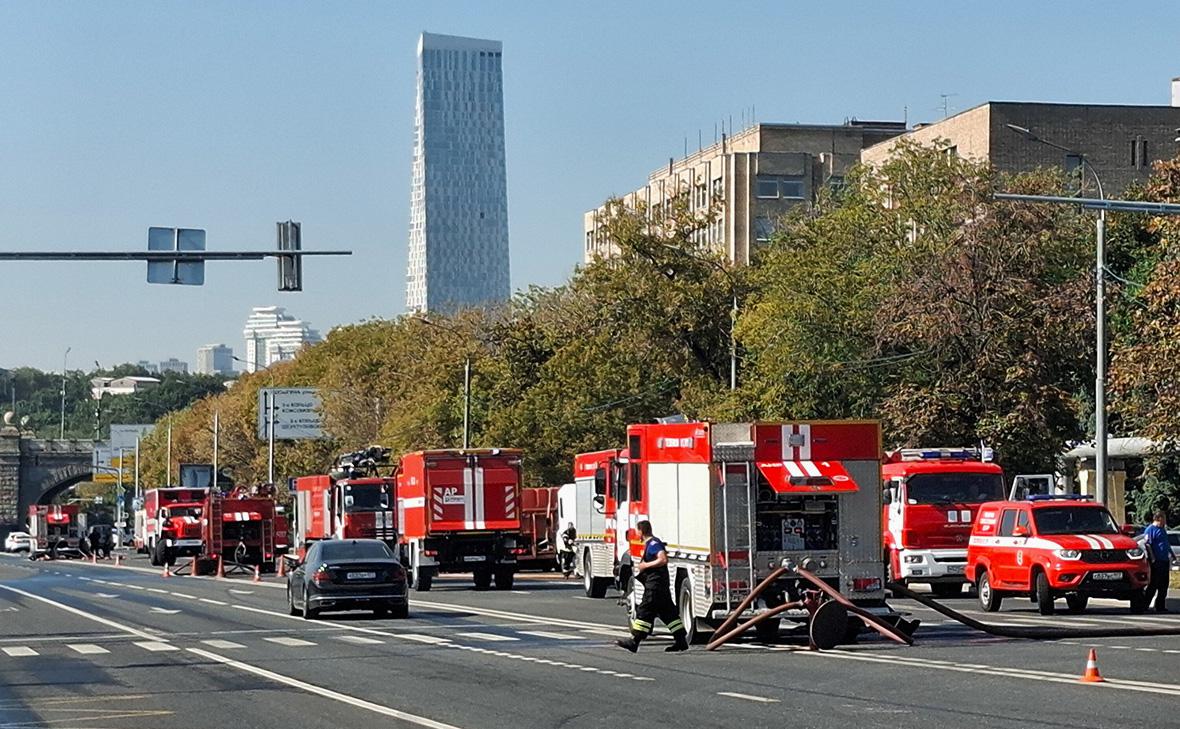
x=474, y=558
x=956, y=569
x=361, y=576
x=1108, y=575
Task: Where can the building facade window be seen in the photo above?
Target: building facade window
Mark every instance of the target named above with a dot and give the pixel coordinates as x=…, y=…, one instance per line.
x=769, y=187
x=766, y=187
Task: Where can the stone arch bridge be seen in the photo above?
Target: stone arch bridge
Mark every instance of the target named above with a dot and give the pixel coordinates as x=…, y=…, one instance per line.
x=34, y=471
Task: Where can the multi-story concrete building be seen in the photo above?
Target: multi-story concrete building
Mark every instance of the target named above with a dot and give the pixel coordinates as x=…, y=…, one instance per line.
x=148, y=366
x=459, y=196
x=215, y=359
x=174, y=365
x=273, y=335
x=753, y=178
x=102, y=386
x=1119, y=141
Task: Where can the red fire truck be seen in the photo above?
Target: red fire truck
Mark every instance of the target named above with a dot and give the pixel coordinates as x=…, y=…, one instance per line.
x=168, y=525
x=538, y=517
x=352, y=501
x=56, y=530
x=590, y=504
x=733, y=501
x=239, y=529
x=459, y=511
x=931, y=498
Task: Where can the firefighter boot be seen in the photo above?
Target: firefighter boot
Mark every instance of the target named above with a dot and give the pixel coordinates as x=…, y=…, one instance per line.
x=632, y=643
x=681, y=642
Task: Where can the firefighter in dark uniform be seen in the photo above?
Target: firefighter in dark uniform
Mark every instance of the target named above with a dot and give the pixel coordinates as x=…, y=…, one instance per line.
x=657, y=602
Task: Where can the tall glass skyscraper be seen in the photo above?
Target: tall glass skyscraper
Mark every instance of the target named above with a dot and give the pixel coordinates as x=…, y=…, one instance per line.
x=459, y=194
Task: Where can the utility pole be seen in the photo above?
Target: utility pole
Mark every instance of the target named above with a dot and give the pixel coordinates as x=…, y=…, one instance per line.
x=270, y=436
x=137, y=494
x=64, y=358
x=1100, y=462
x=467, y=403
x=168, y=476
x=119, y=510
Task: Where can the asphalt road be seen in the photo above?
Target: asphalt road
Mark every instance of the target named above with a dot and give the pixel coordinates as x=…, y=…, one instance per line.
x=96, y=646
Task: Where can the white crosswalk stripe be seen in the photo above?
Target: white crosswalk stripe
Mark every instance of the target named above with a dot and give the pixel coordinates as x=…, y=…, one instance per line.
x=222, y=644
x=156, y=646
x=293, y=642
x=87, y=648
x=359, y=640
x=19, y=651
x=545, y=634
x=487, y=636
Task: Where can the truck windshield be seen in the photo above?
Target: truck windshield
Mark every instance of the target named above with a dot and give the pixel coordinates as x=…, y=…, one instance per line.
x=1074, y=520
x=194, y=511
x=366, y=497
x=954, y=488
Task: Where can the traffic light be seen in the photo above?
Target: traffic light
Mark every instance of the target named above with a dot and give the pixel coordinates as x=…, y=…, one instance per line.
x=290, y=267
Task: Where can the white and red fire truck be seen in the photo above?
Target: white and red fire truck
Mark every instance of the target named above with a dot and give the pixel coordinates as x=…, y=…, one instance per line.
x=168, y=525
x=56, y=529
x=589, y=502
x=931, y=498
x=459, y=511
x=238, y=529
x=732, y=501
x=353, y=501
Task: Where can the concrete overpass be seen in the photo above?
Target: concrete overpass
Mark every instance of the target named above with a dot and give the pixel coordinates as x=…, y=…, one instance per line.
x=34, y=471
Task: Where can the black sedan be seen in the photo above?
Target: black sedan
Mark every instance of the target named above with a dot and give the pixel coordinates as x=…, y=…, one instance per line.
x=348, y=574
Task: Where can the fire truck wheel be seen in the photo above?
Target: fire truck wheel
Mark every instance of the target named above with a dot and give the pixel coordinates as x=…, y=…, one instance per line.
x=153, y=556
x=482, y=577
x=684, y=605
x=504, y=578
x=947, y=589
x=422, y=579
x=595, y=586
x=989, y=599
x=1077, y=603
x=163, y=555
x=1044, y=594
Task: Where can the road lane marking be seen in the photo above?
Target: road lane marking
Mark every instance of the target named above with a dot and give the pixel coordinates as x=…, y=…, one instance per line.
x=359, y=640
x=106, y=595
x=156, y=646
x=293, y=642
x=185, y=596
x=213, y=602
x=417, y=637
x=82, y=613
x=321, y=691
x=546, y=634
x=18, y=651
x=487, y=636
x=157, y=590
x=223, y=644
x=748, y=697
x=87, y=648
x=164, y=611
x=241, y=592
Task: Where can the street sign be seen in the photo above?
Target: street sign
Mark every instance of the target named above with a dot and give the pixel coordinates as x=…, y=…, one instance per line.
x=124, y=436
x=290, y=267
x=189, y=273
x=296, y=413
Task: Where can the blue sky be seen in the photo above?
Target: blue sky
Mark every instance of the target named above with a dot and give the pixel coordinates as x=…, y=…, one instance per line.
x=229, y=116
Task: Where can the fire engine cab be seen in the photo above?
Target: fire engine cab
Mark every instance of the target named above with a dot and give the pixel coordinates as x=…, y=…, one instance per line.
x=1051, y=546
x=931, y=498
x=353, y=501
x=732, y=502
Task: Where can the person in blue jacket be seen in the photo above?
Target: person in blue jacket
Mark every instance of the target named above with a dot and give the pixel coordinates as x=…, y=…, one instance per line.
x=1159, y=551
x=657, y=601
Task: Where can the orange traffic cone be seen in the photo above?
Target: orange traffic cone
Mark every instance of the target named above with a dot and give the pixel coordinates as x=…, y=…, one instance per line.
x=118, y=560
x=1091, y=675
x=282, y=567
x=257, y=574
x=220, y=567
x=192, y=570
x=167, y=572
x=94, y=558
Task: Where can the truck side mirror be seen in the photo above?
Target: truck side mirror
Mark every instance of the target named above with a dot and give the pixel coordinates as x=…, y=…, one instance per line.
x=887, y=496
x=1020, y=531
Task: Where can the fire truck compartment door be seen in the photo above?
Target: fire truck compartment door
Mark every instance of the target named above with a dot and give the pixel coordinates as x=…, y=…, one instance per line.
x=807, y=477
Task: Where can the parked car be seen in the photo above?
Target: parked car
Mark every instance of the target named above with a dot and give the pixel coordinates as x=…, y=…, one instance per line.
x=1174, y=540
x=348, y=574
x=18, y=542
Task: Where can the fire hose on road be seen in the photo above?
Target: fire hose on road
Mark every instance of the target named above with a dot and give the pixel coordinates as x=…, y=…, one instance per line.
x=1031, y=633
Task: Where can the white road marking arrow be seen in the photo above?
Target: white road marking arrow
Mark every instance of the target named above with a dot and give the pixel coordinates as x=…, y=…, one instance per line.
x=164, y=611
x=107, y=595
x=241, y=592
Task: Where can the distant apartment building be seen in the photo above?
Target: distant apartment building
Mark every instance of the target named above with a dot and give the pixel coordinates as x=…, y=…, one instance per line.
x=273, y=335
x=458, y=242
x=215, y=359
x=174, y=365
x=100, y=386
x=151, y=367
x=754, y=177
x=1120, y=141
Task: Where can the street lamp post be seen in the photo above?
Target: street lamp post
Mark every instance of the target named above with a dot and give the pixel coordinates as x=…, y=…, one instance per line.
x=1100, y=437
x=64, y=358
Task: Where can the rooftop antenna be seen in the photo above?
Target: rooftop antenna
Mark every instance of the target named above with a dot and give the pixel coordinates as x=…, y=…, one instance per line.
x=700, y=141
x=905, y=116
x=945, y=105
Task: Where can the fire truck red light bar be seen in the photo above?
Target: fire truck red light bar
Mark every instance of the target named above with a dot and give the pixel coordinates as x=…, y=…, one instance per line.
x=807, y=477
